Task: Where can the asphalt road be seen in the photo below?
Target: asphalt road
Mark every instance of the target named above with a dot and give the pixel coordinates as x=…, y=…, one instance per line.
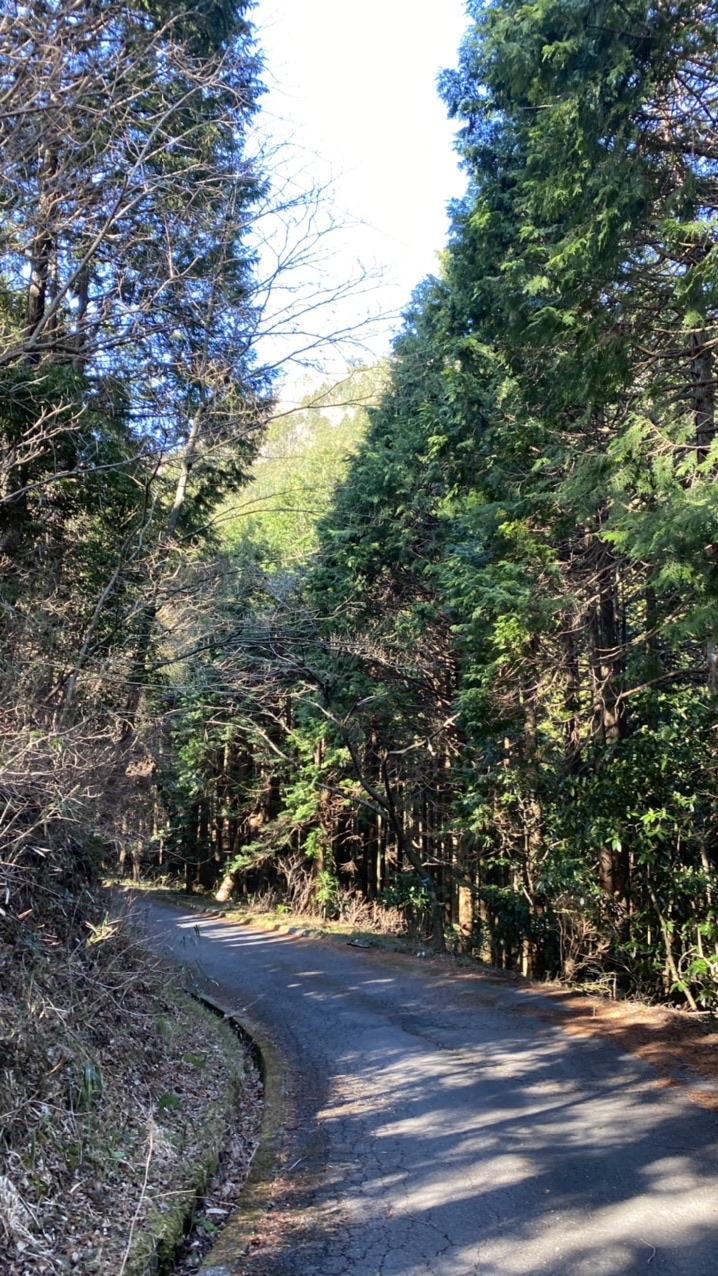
x=440, y=1125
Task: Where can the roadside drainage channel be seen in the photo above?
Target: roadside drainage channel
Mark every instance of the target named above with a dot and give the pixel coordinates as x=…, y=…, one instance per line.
x=227, y=1257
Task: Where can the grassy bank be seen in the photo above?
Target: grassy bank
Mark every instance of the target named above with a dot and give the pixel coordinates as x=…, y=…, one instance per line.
x=117, y=1095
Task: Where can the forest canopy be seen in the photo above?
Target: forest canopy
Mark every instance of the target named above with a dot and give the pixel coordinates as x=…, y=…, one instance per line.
x=455, y=650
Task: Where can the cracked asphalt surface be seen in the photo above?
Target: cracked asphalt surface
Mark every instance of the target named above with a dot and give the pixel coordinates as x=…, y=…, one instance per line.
x=441, y=1123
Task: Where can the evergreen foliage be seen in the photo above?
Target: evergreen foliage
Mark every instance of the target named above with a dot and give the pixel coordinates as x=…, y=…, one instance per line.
x=501, y=663
x=459, y=654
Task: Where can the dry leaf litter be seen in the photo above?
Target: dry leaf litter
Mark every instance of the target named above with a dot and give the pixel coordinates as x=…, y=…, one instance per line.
x=111, y=1085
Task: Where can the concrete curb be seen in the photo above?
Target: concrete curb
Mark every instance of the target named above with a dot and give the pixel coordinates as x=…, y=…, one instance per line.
x=155, y=1248
x=228, y=1256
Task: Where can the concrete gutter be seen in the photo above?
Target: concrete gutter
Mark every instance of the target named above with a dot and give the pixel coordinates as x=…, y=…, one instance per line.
x=228, y=1256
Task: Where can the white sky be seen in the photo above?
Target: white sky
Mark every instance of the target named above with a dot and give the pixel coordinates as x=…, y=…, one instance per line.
x=354, y=86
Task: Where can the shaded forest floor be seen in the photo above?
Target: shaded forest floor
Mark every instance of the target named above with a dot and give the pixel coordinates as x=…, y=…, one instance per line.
x=119, y=1095
x=682, y=1047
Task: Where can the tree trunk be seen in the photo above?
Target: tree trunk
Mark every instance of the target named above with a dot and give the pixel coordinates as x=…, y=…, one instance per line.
x=41, y=253
x=703, y=391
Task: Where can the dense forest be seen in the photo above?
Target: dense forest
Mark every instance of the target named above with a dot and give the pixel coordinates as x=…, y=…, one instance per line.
x=451, y=647
x=131, y=405
x=131, y=402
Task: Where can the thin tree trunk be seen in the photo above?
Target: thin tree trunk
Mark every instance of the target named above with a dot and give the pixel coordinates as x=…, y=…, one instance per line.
x=41, y=253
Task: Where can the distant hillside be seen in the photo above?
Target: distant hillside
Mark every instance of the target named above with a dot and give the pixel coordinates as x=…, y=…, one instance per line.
x=303, y=458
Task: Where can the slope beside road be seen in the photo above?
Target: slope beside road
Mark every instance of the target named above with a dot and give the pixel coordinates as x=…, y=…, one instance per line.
x=444, y=1125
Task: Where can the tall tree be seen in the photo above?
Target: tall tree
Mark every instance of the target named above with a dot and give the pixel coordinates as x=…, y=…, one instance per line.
x=131, y=398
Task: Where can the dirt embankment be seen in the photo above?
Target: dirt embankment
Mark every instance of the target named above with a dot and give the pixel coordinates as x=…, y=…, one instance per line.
x=118, y=1096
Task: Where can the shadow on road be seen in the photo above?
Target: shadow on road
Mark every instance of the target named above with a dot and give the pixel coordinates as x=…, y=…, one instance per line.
x=445, y=1127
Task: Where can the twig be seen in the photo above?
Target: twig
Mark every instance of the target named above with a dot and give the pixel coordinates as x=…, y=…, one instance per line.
x=141, y=1201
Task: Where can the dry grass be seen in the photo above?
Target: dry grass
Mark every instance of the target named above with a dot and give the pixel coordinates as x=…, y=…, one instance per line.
x=111, y=1087
x=356, y=915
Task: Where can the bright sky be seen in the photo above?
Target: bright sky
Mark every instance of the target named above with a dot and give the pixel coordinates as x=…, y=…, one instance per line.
x=354, y=86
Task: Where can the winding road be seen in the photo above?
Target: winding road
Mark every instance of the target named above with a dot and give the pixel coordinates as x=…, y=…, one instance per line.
x=443, y=1123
